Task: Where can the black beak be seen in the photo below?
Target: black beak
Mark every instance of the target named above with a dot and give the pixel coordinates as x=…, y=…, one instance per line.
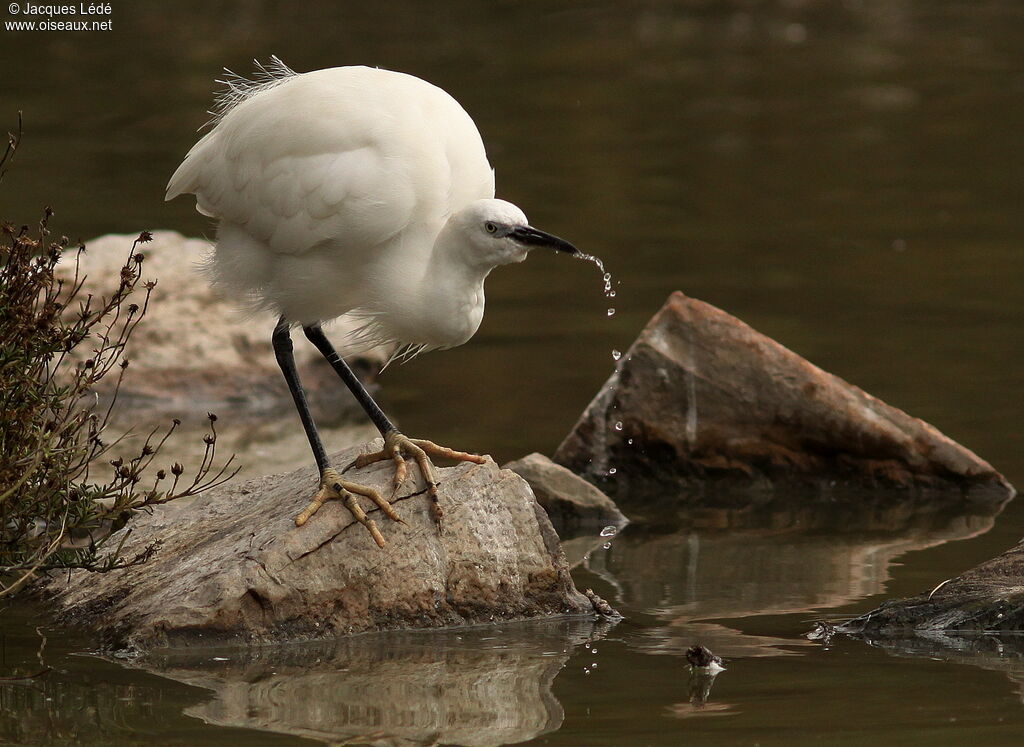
x=533, y=238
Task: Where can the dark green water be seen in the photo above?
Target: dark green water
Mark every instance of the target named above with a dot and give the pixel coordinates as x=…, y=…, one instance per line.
x=845, y=177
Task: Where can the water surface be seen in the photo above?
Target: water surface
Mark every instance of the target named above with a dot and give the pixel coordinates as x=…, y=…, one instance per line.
x=844, y=178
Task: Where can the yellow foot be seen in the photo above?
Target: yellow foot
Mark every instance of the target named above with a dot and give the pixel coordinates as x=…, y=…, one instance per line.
x=397, y=447
x=332, y=486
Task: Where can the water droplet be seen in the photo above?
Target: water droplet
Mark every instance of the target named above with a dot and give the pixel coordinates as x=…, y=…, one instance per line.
x=611, y=294
x=607, y=545
x=594, y=665
x=616, y=355
x=618, y=425
x=609, y=531
x=629, y=441
x=612, y=471
x=593, y=650
x=586, y=671
x=605, y=275
x=611, y=312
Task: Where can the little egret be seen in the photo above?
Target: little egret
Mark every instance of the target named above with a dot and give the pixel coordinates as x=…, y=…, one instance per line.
x=359, y=192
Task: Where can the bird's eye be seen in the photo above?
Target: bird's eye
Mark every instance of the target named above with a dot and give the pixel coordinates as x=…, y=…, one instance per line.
x=490, y=227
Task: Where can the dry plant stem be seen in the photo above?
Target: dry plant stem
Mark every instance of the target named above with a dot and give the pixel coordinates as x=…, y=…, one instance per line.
x=398, y=446
x=333, y=486
x=55, y=346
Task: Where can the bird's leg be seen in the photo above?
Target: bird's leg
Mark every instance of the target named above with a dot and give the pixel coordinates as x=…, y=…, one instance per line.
x=397, y=446
x=331, y=483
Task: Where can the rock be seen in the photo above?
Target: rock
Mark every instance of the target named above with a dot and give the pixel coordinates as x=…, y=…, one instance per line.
x=231, y=567
x=988, y=597
x=193, y=346
x=570, y=501
x=700, y=394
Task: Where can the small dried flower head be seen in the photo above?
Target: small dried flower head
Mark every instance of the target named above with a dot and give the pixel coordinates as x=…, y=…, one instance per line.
x=208, y=439
x=149, y=285
x=145, y=236
x=176, y=421
x=124, y=472
x=89, y=363
x=124, y=363
x=160, y=474
x=177, y=469
x=117, y=462
x=133, y=308
x=147, y=450
x=212, y=417
x=139, y=258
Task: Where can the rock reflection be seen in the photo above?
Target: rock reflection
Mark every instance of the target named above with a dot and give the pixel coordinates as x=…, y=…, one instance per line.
x=487, y=686
x=769, y=554
x=1003, y=652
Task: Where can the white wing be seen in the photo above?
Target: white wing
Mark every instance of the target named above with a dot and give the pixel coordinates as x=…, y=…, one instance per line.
x=347, y=157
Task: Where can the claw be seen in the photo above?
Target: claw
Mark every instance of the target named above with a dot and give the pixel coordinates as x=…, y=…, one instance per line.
x=398, y=446
x=332, y=486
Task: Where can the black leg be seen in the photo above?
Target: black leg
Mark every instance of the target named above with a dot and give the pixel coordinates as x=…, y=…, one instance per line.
x=372, y=409
x=282, y=341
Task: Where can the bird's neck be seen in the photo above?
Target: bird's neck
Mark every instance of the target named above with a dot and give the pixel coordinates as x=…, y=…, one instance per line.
x=451, y=296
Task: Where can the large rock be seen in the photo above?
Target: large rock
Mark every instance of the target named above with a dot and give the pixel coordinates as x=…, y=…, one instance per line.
x=988, y=597
x=700, y=394
x=232, y=568
x=192, y=346
x=571, y=502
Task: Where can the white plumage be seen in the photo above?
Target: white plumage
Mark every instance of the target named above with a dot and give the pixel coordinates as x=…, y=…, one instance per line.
x=331, y=189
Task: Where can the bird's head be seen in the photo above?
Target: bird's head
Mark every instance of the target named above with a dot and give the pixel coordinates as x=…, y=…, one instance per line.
x=495, y=232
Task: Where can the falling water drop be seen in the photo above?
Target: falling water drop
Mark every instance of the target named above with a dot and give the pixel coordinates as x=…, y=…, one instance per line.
x=609, y=531
x=612, y=471
x=618, y=425
x=611, y=312
x=607, y=545
x=629, y=441
x=605, y=275
x=616, y=355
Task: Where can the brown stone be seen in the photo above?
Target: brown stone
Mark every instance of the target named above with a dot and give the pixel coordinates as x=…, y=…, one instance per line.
x=232, y=568
x=571, y=502
x=700, y=395
x=988, y=597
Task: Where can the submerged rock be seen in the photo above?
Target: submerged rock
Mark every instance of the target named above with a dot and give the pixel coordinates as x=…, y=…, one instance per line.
x=194, y=347
x=231, y=567
x=570, y=501
x=700, y=394
x=988, y=597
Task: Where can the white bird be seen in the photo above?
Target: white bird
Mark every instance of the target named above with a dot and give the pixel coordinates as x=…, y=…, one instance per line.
x=361, y=192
